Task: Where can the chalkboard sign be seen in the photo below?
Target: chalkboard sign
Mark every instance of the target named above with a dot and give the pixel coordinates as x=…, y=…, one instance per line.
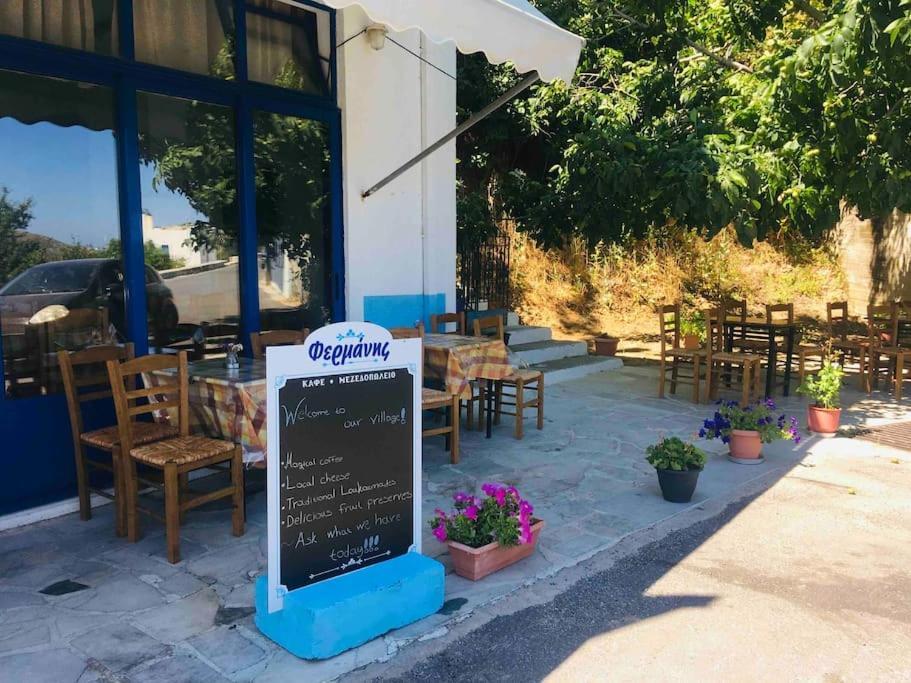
x=343, y=454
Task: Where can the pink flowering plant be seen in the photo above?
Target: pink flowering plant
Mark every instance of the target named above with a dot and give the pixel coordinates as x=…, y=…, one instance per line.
x=500, y=515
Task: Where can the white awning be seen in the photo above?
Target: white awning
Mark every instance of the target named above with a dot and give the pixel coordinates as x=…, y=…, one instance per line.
x=504, y=30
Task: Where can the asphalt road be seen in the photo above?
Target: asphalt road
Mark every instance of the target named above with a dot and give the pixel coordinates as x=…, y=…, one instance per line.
x=809, y=579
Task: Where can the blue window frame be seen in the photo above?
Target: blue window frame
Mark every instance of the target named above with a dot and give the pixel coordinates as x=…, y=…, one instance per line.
x=126, y=76
x=23, y=422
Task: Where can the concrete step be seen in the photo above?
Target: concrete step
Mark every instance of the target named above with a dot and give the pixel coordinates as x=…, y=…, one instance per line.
x=544, y=351
x=567, y=369
x=527, y=334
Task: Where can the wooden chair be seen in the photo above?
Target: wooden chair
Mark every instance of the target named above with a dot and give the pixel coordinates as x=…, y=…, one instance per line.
x=175, y=457
x=903, y=313
x=748, y=364
x=85, y=379
x=672, y=350
x=489, y=326
x=79, y=329
x=260, y=341
x=838, y=338
x=882, y=326
x=433, y=399
x=443, y=319
x=416, y=332
x=522, y=380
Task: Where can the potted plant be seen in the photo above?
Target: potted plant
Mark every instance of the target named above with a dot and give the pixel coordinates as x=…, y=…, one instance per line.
x=692, y=328
x=489, y=532
x=606, y=345
x=824, y=388
x=745, y=428
x=678, y=465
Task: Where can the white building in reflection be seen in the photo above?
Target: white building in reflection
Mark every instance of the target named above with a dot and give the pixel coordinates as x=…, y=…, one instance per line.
x=174, y=241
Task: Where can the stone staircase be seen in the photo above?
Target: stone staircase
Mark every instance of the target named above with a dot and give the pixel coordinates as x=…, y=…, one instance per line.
x=560, y=359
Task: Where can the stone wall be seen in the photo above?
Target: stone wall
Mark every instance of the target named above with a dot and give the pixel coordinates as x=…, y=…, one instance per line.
x=875, y=256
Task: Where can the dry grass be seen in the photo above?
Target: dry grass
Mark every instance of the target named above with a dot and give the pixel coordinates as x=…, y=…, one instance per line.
x=582, y=292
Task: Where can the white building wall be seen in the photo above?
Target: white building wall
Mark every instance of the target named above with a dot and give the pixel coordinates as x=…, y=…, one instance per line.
x=400, y=242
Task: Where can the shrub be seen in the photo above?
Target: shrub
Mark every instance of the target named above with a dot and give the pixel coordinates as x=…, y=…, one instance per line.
x=824, y=388
x=673, y=453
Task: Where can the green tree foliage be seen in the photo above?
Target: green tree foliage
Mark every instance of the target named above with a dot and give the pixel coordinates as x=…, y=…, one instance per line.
x=16, y=254
x=761, y=114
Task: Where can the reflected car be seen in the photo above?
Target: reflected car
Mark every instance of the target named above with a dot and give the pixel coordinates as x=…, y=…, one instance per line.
x=84, y=283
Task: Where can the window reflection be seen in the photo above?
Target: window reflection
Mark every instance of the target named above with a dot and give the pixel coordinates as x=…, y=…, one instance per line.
x=293, y=219
x=190, y=223
x=283, y=46
x=61, y=282
x=90, y=26
x=195, y=36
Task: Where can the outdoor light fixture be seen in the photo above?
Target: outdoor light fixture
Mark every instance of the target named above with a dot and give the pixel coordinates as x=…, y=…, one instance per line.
x=376, y=36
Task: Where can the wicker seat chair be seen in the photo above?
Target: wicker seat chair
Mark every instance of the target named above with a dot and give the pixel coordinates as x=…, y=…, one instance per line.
x=673, y=357
x=174, y=457
x=521, y=380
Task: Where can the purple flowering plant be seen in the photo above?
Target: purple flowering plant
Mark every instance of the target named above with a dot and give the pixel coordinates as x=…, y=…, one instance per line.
x=759, y=417
x=500, y=515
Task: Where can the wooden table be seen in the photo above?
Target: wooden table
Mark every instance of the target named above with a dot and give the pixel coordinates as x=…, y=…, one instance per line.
x=231, y=404
x=760, y=329
x=454, y=360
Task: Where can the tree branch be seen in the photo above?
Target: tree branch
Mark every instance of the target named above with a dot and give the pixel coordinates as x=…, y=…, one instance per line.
x=808, y=9
x=711, y=54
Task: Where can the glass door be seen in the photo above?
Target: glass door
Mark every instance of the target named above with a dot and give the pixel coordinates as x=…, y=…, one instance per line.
x=292, y=166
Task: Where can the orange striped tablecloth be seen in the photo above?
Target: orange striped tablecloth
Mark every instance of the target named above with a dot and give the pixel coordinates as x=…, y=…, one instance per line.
x=455, y=360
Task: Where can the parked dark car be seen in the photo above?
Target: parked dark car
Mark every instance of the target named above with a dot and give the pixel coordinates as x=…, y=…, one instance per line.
x=85, y=283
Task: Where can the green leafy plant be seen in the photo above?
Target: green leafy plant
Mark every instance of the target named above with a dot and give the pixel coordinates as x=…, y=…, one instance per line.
x=824, y=388
x=673, y=453
x=693, y=324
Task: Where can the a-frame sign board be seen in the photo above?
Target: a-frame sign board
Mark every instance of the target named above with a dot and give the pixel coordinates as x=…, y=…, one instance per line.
x=344, y=488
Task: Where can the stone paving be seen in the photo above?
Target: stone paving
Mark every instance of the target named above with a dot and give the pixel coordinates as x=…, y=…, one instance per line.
x=79, y=604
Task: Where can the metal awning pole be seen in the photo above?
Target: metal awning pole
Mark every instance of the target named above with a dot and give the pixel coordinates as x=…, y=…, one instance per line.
x=510, y=94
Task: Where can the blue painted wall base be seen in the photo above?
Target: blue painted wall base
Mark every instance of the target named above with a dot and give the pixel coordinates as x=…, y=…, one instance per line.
x=325, y=619
x=403, y=310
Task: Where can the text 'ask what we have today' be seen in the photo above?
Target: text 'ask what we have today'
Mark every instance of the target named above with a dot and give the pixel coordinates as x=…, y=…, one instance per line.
x=346, y=487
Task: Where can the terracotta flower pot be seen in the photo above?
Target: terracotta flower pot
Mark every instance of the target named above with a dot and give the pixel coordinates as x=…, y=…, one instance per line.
x=476, y=563
x=823, y=421
x=691, y=341
x=606, y=346
x=745, y=445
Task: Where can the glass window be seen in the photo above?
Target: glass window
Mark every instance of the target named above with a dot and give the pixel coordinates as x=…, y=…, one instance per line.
x=90, y=26
x=61, y=284
x=283, y=46
x=292, y=220
x=189, y=222
x=195, y=36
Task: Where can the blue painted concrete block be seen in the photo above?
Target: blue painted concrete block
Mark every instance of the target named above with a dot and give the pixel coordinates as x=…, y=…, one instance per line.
x=402, y=310
x=325, y=619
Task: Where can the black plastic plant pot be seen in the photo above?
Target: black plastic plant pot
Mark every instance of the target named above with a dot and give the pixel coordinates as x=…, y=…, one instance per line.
x=678, y=486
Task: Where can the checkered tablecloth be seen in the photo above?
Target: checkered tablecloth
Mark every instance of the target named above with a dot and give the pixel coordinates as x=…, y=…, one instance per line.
x=231, y=405
x=225, y=405
x=455, y=360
